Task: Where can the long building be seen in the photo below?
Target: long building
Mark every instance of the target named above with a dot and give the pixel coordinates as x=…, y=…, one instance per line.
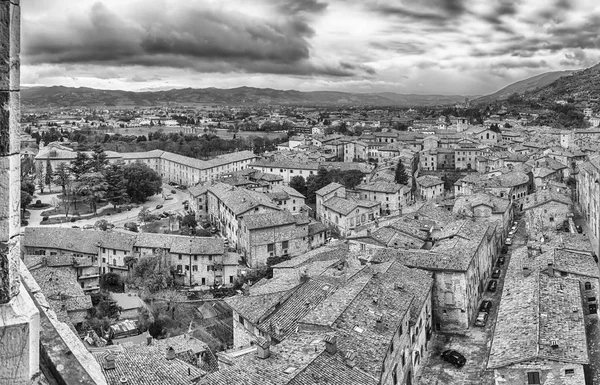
x=172, y=167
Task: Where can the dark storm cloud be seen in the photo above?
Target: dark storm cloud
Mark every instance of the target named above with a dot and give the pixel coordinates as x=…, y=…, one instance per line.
x=502, y=9
x=202, y=39
x=429, y=10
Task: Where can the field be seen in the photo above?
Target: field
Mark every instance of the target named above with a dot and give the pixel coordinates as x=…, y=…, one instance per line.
x=222, y=133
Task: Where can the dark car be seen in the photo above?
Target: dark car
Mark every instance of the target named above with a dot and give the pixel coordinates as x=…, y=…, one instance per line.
x=579, y=229
x=501, y=260
x=504, y=249
x=182, y=187
x=496, y=273
x=173, y=191
x=482, y=318
x=486, y=306
x=172, y=184
x=158, y=207
x=454, y=357
x=492, y=286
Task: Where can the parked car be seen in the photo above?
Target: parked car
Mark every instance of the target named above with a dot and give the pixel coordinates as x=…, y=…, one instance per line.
x=486, y=306
x=454, y=357
x=501, y=260
x=482, y=318
x=496, y=273
x=172, y=184
x=504, y=249
x=88, y=227
x=492, y=286
x=579, y=229
x=158, y=207
x=75, y=227
x=168, y=197
x=214, y=230
x=173, y=191
x=182, y=187
x=508, y=241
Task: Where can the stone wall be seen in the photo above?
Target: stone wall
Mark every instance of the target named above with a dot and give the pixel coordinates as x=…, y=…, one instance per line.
x=550, y=372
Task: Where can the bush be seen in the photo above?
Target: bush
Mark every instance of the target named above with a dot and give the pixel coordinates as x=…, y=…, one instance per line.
x=38, y=202
x=119, y=210
x=73, y=219
x=44, y=219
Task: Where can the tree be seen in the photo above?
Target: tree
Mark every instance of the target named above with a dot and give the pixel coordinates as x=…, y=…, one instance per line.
x=80, y=165
x=99, y=159
x=26, y=199
x=401, y=175
x=352, y=178
x=40, y=176
x=92, y=187
x=189, y=221
x=102, y=224
x=131, y=226
x=145, y=216
x=62, y=176
x=495, y=127
x=48, y=177
x=299, y=184
x=142, y=181
x=116, y=192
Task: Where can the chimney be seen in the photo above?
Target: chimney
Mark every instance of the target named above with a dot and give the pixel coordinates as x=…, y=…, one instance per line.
x=526, y=271
x=148, y=340
x=263, y=349
x=551, y=269
x=331, y=344
x=109, y=361
x=170, y=353
x=379, y=323
x=350, y=358
x=123, y=380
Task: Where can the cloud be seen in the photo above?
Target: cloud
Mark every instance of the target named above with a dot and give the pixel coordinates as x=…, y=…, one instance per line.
x=199, y=38
x=427, y=10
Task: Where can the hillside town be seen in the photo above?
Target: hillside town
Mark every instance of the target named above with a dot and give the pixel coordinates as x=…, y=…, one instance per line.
x=358, y=249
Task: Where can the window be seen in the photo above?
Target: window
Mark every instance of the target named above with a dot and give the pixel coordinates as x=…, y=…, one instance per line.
x=569, y=371
x=533, y=378
x=203, y=281
x=195, y=268
x=588, y=286
x=180, y=257
x=178, y=267
x=103, y=250
x=114, y=262
x=210, y=257
x=187, y=267
x=195, y=257
x=271, y=247
x=114, y=252
x=285, y=244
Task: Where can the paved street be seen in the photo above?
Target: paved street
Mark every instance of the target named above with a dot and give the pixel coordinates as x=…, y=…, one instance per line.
x=118, y=219
x=474, y=343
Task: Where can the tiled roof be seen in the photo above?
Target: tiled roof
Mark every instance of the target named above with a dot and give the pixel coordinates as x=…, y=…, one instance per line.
x=429, y=181
x=60, y=286
x=268, y=219
x=542, y=197
x=346, y=206
x=390, y=188
x=283, y=321
x=240, y=200
x=196, y=245
x=147, y=365
x=357, y=322
x=468, y=202
x=279, y=164
x=76, y=240
x=321, y=253
x=254, y=307
x=535, y=310
x=331, y=187
x=331, y=370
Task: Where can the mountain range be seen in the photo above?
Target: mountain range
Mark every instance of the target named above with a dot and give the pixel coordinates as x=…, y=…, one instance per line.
x=581, y=85
x=59, y=96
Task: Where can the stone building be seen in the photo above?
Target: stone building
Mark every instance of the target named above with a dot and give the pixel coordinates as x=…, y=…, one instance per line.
x=430, y=187
x=545, y=210
x=588, y=193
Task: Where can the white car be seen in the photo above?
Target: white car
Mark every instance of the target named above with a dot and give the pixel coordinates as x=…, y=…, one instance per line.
x=508, y=241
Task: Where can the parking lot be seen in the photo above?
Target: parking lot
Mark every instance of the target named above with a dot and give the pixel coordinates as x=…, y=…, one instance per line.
x=474, y=343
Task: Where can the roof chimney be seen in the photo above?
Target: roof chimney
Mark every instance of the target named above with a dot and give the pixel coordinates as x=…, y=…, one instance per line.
x=263, y=348
x=170, y=353
x=350, y=358
x=331, y=344
x=551, y=269
x=109, y=361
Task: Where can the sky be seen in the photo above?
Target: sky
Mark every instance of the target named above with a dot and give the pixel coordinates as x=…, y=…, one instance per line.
x=459, y=47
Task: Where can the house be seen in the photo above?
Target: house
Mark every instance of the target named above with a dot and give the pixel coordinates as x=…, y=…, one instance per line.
x=130, y=304
x=352, y=304
x=485, y=207
x=272, y=234
x=460, y=255
x=85, y=268
x=287, y=198
x=544, y=211
x=588, y=193
x=286, y=169
x=540, y=333
x=391, y=196
x=430, y=187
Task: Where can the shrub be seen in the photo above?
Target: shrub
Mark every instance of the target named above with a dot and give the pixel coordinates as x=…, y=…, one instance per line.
x=38, y=202
x=44, y=219
x=73, y=219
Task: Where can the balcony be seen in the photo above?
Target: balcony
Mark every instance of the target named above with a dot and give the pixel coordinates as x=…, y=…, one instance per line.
x=118, y=267
x=90, y=288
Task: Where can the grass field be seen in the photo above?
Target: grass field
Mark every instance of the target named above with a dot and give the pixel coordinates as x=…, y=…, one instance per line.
x=222, y=133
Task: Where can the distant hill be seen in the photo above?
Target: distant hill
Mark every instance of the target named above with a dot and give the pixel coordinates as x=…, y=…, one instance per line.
x=58, y=96
x=582, y=86
x=523, y=86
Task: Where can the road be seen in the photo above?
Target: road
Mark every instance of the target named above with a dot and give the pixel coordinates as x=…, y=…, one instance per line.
x=118, y=219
